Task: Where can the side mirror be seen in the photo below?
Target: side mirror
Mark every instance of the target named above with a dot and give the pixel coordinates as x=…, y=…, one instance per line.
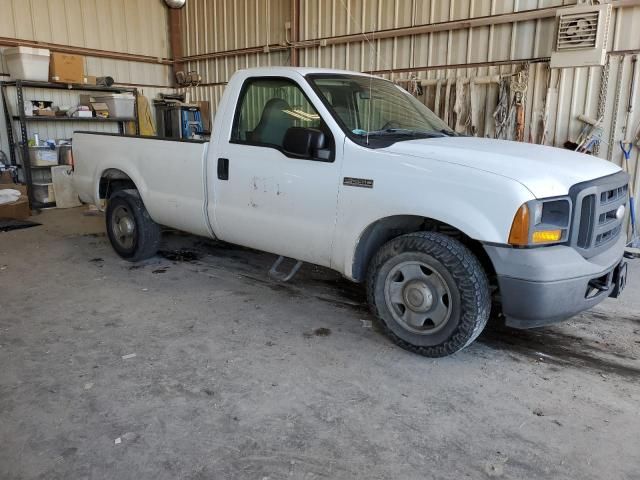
x=303, y=142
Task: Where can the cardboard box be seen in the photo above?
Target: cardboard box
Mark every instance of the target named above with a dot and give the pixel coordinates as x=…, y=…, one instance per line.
x=101, y=109
x=19, y=209
x=44, y=113
x=83, y=114
x=65, y=68
x=90, y=80
x=85, y=100
x=5, y=177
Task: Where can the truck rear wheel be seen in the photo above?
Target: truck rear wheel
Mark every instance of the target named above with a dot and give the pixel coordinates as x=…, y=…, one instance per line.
x=430, y=293
x=133, y=235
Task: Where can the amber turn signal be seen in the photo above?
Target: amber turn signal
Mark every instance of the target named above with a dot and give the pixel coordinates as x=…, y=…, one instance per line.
x=519, y=234
x=546, y=236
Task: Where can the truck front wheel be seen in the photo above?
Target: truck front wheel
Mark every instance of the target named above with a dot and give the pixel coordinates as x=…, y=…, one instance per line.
x=430, y=293
x=133, y=234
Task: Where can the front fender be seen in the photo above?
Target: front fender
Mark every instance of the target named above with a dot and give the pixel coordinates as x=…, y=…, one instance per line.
x=478, y=203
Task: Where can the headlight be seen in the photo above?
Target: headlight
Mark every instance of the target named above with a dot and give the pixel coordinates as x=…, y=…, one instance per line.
x=541, y=222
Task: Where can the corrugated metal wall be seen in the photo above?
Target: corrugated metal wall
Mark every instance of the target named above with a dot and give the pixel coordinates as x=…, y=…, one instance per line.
x=222, y=26
x=225, y=25
x=129, y=26
x=126, y=26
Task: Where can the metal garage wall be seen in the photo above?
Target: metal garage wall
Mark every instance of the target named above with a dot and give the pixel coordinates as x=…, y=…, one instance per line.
x=120, y=26
x=553, y=98
x=254, y=29
x=229, y=28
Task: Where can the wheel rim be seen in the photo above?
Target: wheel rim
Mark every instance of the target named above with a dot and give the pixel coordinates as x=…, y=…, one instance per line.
x=418, y=297
x=123, y=226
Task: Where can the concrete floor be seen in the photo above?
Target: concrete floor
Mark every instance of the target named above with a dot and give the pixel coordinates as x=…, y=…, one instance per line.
x=237, y=377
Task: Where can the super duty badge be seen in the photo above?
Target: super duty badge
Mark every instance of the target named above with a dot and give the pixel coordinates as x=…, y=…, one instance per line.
x=358, y=182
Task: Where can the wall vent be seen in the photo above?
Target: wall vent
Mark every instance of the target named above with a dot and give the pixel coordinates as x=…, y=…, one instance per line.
x=581, y=36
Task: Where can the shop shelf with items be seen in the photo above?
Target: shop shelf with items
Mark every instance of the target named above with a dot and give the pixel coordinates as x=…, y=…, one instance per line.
x=19, y=141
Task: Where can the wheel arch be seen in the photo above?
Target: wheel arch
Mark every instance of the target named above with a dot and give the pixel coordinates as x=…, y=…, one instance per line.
x=113, y=180
x=385, y=229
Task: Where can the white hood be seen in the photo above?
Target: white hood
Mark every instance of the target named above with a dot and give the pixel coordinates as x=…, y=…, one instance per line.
x=545, y=171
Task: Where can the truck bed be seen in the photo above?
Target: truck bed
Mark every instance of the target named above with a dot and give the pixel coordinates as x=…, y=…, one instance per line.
x=168, y=173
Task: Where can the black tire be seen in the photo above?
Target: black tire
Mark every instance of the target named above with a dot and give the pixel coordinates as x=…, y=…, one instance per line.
x=455, y=270
x=144, y=238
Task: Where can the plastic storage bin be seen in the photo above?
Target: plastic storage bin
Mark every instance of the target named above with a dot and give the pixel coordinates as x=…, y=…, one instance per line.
x=26, y=63
x=120, y=104
x=41, y=156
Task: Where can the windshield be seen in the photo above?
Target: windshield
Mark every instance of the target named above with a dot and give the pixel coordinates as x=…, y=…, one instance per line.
x=375, y=112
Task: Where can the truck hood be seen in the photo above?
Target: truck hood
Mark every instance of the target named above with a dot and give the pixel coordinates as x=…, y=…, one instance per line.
x=545, y=171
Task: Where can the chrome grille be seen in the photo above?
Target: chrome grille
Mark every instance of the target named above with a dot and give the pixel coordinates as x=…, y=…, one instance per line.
x=595, y=225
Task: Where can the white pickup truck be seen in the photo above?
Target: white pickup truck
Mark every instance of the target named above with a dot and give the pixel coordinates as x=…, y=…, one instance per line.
x=351, y=172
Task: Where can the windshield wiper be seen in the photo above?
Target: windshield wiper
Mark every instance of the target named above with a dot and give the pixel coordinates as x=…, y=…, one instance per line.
x=392, y=132
x=449, y=133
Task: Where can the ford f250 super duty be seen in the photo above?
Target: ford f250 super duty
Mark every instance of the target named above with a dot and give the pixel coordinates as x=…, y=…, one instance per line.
x=350, y=172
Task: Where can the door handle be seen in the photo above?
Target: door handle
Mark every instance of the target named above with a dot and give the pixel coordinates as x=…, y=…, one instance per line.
x=223, y=169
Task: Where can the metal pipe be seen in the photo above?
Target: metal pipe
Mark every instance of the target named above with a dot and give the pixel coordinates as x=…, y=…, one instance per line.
x=445, y=26
x=295, y=31
x=458, y=65
x=616, y=105
x=484, y=80
x=632, y=88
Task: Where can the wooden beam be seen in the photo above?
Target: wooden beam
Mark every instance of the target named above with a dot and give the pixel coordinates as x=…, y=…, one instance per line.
x=175, y=40
x=88, y=52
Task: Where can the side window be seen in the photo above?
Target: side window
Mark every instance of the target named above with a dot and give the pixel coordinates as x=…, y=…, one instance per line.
x=268, y=108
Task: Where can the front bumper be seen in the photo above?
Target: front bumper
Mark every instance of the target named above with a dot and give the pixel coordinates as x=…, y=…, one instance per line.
x=540, y=286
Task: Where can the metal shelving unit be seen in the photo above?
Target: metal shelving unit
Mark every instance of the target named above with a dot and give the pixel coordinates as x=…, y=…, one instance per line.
x=23, y=120
x=76, y=119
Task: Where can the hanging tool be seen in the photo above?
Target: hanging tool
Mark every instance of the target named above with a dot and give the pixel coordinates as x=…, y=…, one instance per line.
x=589, y=135
x=626, y=151
x=473, y=106
x=502, y=113
x=519, y=87
x=459, y=107
x=627, y=147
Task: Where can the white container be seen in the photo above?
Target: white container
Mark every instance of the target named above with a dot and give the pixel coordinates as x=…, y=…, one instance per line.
x=26, y=63
x=120, y=105
x=41, y=156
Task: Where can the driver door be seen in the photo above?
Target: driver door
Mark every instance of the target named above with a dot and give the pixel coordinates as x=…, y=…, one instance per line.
x=266, y=198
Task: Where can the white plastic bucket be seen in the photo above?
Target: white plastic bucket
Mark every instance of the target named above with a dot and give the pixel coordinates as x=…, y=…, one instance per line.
x=120, y=105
